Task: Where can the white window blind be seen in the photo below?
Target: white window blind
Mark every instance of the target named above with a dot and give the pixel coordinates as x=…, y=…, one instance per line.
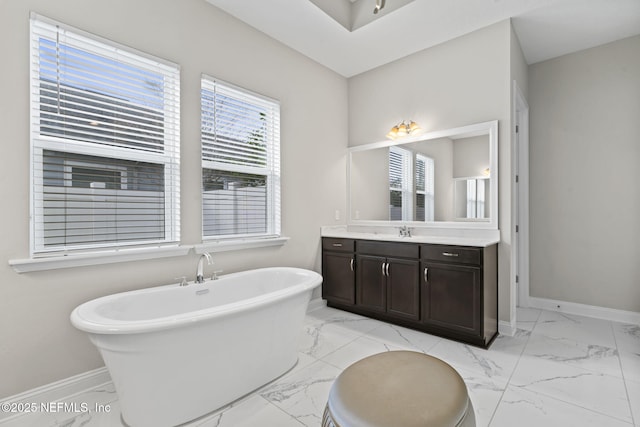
x=240, y=134
x=425, y=190
x=105, y=143
x=400, y=184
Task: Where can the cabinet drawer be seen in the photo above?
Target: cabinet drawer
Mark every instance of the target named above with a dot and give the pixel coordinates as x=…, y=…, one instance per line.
x=457, y=254
x=340, y=245
x=386, y=249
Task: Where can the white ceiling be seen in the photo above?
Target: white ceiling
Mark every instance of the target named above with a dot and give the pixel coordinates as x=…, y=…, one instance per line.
x=545, y=28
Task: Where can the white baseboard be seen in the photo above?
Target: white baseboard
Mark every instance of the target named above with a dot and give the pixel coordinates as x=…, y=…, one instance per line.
x=56, y=391
x=506, y=328
x=585, y=310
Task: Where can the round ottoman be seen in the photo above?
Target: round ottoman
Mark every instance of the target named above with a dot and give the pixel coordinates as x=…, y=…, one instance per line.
x=399, y=389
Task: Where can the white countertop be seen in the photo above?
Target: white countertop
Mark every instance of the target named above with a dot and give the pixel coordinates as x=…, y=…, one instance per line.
x=478, y=238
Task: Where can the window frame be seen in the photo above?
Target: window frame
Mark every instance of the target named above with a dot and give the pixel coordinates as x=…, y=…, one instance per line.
x=168, y=156
x=429, y=183
x=408, y=187
x=271, y=169
x=407, y=184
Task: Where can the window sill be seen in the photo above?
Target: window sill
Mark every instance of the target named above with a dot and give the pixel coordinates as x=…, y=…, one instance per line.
x=235, y=245
x=96, y=258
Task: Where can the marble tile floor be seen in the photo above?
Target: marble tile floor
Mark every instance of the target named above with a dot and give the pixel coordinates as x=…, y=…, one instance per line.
x=558, y=370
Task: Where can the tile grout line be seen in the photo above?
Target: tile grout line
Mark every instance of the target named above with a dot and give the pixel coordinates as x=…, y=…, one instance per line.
x=581, y=369
x=553, y=397
x=493, y=414
x=624, y=379
x=575, y=405
x=282, y=410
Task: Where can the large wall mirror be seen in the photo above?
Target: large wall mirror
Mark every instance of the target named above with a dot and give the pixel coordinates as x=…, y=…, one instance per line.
x=446, y=178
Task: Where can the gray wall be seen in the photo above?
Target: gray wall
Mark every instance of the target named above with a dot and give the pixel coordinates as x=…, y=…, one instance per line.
x=457, y=83
x=370, y=184
x=519, y=67
x=584, y=157
x=38, y=345
x=470, y=156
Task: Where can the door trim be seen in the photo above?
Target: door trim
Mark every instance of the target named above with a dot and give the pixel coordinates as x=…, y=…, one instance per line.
x=520, y=202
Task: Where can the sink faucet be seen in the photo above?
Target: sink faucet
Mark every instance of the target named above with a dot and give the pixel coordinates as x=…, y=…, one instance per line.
x=200, y=269
x=404, y=231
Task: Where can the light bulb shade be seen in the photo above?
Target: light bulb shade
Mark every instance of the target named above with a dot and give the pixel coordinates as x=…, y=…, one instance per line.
x=404, y=129
x=393, y=133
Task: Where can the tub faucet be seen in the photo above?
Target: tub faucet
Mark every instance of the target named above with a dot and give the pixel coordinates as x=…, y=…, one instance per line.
x=200, y=269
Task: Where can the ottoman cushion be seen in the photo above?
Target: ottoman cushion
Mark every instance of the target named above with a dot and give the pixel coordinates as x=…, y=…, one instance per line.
x=398, y=388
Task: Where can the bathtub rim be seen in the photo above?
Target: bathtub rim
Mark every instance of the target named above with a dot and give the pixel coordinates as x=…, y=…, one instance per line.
x=81, y=316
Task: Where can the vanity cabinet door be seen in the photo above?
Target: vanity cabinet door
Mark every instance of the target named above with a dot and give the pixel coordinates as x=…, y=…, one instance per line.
x=371, y=289
x=451, y=296
x=338, y=277
x=403, y=288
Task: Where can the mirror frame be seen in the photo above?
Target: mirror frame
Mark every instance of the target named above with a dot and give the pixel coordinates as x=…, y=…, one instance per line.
x=485, y=128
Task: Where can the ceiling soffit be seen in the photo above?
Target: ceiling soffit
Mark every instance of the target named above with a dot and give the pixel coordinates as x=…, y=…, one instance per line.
x=354, y=14
x=331, y=32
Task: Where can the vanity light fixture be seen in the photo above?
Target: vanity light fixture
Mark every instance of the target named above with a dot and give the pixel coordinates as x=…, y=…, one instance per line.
x=404, y=129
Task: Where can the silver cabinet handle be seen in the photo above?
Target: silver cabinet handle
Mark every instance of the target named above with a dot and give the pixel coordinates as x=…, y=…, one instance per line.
x=387, y=270
x=383, y=264
x=426, y=278
x=449, y=254
x=337, y=245
x=351, y=264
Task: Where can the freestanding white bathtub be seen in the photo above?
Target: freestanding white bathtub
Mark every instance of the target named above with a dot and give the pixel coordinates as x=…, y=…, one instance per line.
x=176, y=353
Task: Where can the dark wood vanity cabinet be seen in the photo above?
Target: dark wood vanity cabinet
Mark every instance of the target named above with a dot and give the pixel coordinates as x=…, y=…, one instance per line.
x=338, y=270
x=371, y=283
x=450, y=296
x=388, y=284
x=403, y=288
x=450, y=291
x=451, y=287
x=459, y=291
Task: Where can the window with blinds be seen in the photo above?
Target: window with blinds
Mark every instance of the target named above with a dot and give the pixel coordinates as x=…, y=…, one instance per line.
x=411, y=186
x=400, y=184
x=425, y=191
x=105, y=143
x=240, y=133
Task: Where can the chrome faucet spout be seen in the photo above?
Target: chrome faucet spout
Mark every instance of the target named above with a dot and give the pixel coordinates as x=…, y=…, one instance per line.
x=200, y=268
